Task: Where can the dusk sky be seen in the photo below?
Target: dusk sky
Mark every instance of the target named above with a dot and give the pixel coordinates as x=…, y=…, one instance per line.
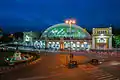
x=36, y=15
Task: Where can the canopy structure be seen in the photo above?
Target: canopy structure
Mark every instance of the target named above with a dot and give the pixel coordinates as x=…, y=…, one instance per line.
x=63, y=31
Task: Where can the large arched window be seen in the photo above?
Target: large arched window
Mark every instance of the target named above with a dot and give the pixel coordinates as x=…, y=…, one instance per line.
x=63, y=31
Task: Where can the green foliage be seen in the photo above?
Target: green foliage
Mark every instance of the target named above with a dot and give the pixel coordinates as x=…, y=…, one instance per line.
x=116, y=40
x=5, y=54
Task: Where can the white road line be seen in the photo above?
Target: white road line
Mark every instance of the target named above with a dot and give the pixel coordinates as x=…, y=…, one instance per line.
x=32, y=78
x=103, y=75
x=112, y=79
x=38, y=78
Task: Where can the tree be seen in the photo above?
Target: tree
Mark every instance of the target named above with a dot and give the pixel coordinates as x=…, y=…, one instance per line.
x=5, y=38
x=18, y=35
x=116, y=40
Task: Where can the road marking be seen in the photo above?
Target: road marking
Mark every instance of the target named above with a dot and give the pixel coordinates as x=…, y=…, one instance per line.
x=102, y=75
x=106, y=77
x=32, y=78
x=112, y=79
x=37, y=78
x=98, y=74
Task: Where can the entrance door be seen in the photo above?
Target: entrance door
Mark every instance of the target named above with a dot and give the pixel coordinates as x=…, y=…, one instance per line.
x=102, y=46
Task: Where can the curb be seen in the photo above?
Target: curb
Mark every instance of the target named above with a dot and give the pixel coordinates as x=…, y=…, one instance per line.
x=7, y=69
x=34, y=62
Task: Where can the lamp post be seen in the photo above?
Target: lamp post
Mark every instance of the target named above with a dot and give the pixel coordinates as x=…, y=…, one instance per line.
x=70, y=22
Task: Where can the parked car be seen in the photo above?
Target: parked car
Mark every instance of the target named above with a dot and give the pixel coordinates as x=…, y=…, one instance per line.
x=96, y=61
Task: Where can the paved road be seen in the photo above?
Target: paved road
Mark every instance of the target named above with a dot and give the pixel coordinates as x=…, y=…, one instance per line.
x=112, y=66
x=51, y=68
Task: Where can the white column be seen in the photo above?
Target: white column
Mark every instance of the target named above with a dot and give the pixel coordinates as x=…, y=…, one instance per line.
x=110, y=42
x=93, y=42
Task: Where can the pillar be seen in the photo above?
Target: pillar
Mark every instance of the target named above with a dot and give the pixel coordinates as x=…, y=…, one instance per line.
x=93, y=42
x=46, y=43
x=61, y=44
x=110, y=42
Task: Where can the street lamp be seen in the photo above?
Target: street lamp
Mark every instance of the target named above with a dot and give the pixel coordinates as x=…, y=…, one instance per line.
x=70, y=22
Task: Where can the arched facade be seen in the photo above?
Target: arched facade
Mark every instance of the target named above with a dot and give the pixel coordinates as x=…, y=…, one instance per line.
x=102, y=38
x=59, y=37
x=63, y=31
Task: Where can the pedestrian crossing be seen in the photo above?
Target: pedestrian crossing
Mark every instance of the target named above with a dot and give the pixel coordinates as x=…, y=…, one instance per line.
x=98, y=74
x=102, y=75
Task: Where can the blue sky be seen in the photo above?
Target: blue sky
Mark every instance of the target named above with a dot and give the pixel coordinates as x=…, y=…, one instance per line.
x=36, y=15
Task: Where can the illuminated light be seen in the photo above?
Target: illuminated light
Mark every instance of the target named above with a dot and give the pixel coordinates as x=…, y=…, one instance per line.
x=64, y=31
x=73, y=45
x=7, y=58
x=100, y=62
x=85, y=42
x=27, y=38
x=61, y=46
x=57, y=42
x=66, y=21
x=70, y=21
x=73, y=21
x=78, y=45
x=101, y=34
x=64, y=42
x=82, y=45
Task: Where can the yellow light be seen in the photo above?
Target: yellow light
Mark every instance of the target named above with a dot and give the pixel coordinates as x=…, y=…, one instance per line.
x=70, y=21
x=84, y=30
x=66, y=21
x=73, y=21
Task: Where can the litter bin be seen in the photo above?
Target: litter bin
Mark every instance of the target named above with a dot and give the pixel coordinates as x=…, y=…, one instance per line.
x=75, y=63
x=70, y=65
